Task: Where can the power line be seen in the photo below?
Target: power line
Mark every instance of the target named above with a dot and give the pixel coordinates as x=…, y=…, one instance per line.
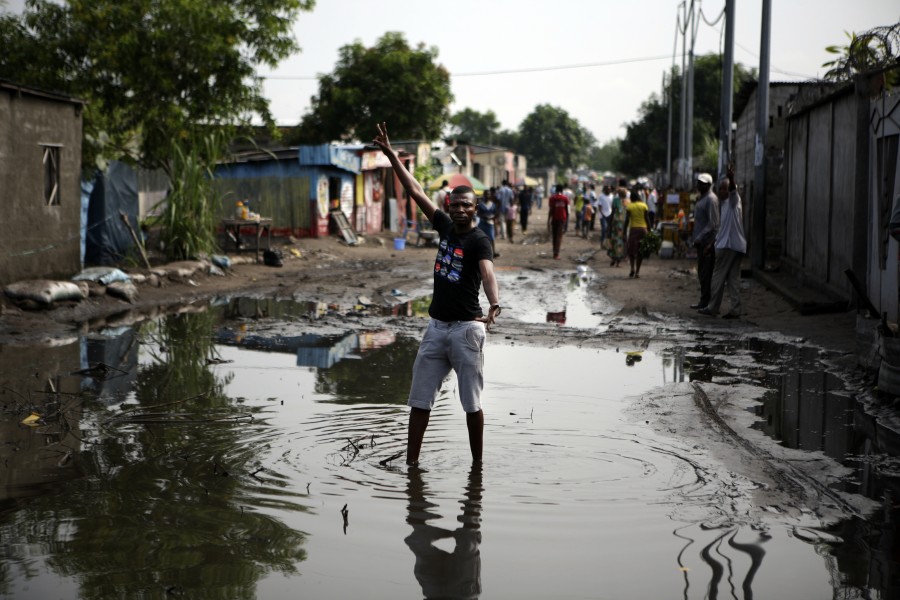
x=513, y=71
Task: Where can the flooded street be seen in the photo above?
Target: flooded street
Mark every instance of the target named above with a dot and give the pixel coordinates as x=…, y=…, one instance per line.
x=254, y=450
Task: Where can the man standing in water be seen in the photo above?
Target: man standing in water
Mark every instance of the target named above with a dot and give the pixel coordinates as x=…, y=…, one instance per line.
x=455, y=335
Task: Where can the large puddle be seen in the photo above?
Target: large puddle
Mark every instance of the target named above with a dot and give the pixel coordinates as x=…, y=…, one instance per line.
x=192, y=459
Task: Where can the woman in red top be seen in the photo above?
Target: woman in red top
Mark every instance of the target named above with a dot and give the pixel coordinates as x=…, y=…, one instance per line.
x=559, y=214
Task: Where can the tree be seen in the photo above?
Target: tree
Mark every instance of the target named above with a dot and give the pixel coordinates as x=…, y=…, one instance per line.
x=474, y=127
x=549, y=137
x=388, y=82
x=605, y=156
x=644, y=147
x=151, y=70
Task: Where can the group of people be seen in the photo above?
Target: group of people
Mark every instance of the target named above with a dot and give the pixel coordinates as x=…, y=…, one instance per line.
x=625, y=216
x=720, y=243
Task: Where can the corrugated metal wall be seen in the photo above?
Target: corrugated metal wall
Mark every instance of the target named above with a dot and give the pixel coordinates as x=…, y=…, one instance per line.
x=884, y=183
x=821, y=206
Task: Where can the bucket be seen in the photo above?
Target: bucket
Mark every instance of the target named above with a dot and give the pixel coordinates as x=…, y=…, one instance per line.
x=399, y=243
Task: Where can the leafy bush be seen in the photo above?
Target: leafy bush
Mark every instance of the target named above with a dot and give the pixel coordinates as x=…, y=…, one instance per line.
x=650, y=245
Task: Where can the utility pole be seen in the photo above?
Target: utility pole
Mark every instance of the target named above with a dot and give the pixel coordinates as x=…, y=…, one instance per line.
x=681, y=149
x=727, y=90
x=671, y=103
x=758, y=208
x=694, y=17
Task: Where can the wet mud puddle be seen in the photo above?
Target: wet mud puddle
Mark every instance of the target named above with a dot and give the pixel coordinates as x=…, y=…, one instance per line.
x=194, y=465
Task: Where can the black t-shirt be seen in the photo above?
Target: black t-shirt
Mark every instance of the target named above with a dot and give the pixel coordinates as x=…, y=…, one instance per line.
x=457, y=278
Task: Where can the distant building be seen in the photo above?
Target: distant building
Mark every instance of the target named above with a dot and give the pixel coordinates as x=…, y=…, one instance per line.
x=40, y=175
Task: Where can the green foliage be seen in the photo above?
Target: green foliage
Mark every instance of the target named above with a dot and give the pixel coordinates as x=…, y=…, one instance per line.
x=650, y=244
x=876, y=50
x=189, y=217
x=473, y=127
x=150, y=70
x=549, y=137
x=645, y=144
x=389, y=82
x=508, y=139
x=605, y=157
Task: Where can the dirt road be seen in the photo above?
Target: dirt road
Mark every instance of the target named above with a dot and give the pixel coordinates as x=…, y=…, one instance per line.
x=329, y=271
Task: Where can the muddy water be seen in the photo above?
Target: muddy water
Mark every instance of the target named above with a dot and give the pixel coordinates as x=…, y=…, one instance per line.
x=191, y=468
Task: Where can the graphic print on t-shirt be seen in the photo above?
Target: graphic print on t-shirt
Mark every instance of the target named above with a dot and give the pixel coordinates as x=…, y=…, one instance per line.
x=449, y=262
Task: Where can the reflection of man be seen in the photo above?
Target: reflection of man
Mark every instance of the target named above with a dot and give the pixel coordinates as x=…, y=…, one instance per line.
x=445, y=574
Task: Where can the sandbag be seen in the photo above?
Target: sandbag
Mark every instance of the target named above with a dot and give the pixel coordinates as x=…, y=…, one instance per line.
x=45, y=291
x=104, y=275
x=123, y=289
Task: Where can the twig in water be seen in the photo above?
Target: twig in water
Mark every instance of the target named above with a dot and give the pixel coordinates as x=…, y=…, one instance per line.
x=345, y=513
x=390, y=458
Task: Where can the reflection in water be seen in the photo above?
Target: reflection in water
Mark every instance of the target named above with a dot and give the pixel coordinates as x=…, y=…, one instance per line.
x=810, y=409
x=444, y=574
x=382, y=375
x=172, y=499
x=291, y=310
x=723, y=566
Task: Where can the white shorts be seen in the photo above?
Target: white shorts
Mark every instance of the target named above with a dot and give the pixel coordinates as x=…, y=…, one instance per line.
x=456, y=345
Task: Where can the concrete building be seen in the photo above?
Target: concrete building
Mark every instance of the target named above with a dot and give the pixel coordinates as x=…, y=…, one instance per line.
x=40, y=178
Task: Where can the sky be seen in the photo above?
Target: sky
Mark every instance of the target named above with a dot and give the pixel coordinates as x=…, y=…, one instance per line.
x=488, y=46
x=596, y=59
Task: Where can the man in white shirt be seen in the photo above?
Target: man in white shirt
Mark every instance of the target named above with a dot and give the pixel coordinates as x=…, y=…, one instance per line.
x=651, y=207
x=731, y=246
x=604, y=203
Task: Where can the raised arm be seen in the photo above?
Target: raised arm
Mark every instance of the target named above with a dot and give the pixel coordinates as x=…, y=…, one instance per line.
x=410, y=184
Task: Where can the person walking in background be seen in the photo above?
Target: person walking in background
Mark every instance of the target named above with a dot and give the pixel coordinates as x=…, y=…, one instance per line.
x=579, y=211
x=511, y=212
x=558, y=217
x=441, y=197
x=604, y=207
x=587, y=219
x=706, y=223
x=616, y=251
x=539, y=195
x=487, y=218
x=454, y=339
x=731, y=246
x=503, y=197
x=526, y=197
x=570, y=194
x=636, y=222
x=651, y=207
x=590, y=197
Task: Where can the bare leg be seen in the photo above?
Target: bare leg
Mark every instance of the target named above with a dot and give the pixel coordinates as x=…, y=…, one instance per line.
x=418, y=423
x=475, y=424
